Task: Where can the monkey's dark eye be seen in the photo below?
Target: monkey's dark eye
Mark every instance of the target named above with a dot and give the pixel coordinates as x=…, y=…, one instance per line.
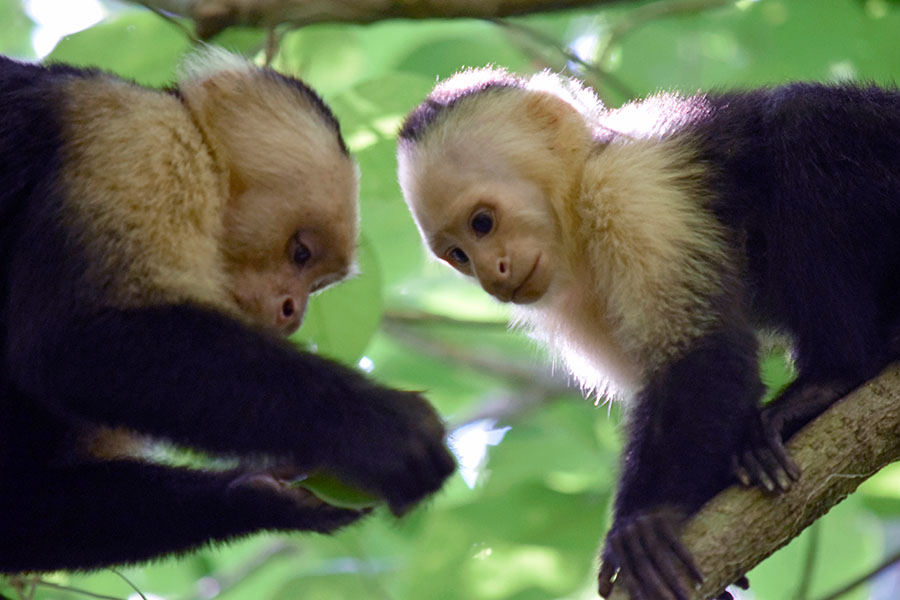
x=301, y=254
x=482, y=223
x=458, y=256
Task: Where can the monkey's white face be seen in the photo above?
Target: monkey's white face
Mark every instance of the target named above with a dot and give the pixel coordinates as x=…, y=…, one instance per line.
x=487, y=222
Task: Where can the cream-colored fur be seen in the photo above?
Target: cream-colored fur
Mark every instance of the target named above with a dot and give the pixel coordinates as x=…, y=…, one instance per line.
x=656, y=257
x=158, y=188
x=637, y=255
x=146, y=194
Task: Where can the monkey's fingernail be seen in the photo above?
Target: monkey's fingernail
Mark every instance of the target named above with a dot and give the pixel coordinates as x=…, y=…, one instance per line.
x=783, y=480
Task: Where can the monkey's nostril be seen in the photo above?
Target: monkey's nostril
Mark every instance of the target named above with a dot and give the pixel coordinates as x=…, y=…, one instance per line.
x=287, y=309
x=502, y=267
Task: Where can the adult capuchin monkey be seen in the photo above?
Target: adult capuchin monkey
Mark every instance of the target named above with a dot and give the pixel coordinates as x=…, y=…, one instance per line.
x=646, y=245
x=155, y=249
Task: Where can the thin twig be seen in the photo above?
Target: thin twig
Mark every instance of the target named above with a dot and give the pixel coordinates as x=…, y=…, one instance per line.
x=412, y=317
x=641, y=15
x=228, y=580
x=521, y=373
x=606, y=78
x=809, y=563
x=74, y=590
x=888, y=562
x=272, y=45
x=128, y=581
x=167, y=16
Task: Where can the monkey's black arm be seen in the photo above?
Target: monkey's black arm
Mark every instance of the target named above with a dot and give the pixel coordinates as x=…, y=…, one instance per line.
x=199, y=378
x=686, y=424
x=91, y=515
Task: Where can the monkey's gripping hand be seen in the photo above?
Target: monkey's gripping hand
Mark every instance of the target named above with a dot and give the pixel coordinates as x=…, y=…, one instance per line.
x=764, y=462
x=649, y=557
x=394, y=447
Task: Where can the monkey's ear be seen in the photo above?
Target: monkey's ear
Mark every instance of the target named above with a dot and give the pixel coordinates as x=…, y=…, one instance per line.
x=548, y=110
x=558, y=119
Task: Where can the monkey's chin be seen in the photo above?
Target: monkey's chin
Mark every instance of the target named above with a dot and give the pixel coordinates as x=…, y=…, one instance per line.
x=532, y=288
x=527, y=297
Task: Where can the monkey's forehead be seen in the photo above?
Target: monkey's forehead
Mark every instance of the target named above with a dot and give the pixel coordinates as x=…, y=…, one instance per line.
x=488, y=86
x=445, y=97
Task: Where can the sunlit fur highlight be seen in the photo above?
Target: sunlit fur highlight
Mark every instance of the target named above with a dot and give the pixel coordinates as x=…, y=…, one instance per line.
x=642, y=255
x=646, y=292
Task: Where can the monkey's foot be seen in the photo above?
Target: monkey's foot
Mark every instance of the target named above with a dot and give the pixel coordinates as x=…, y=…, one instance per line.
x=764, y=461
x=650, y=559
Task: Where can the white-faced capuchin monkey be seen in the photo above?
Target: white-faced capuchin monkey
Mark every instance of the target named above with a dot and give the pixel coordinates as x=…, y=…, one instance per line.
x=647, y=245
x=155, y=248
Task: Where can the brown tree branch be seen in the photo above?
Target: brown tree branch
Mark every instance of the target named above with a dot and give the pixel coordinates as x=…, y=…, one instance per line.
x=739, y=528
x=212, y=16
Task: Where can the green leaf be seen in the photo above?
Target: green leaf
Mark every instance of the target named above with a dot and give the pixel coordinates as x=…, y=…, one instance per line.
x=849, y=544
x=15, y=30
x=881, y=493
x=136, y=45
x=341, y=320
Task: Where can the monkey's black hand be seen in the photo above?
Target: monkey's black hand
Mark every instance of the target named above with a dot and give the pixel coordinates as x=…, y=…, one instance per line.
x=393, y=446
x=764, y=461
x=649, y=557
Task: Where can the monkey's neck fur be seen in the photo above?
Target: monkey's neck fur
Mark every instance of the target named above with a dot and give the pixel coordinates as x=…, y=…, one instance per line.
x=640, y=220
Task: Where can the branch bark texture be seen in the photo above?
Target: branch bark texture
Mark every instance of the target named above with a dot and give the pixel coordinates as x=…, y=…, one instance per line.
x=212, y=16
x=849, y=443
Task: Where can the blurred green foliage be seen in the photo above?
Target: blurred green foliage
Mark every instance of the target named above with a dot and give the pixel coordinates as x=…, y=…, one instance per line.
x=529, y=527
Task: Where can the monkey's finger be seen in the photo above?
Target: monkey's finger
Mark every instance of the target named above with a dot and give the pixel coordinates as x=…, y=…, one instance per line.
x=773, y=468
x=660, y=555
x=673, y=540
x=776, y=446
x=641, y=579
x=757, y=472
x=743, y=583
x=605, y=578
x=740, y=472
x=645, y=576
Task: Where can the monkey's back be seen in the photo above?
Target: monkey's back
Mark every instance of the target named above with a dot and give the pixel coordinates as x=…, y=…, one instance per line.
x=807, y=177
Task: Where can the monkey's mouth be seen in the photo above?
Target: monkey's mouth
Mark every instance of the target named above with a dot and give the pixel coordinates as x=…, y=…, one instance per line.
x=526, y=298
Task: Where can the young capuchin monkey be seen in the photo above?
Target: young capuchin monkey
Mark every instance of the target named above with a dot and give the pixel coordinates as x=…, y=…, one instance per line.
x=156, y=246
x=647, y=245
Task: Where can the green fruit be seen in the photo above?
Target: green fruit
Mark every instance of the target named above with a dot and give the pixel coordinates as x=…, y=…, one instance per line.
x=330, y=490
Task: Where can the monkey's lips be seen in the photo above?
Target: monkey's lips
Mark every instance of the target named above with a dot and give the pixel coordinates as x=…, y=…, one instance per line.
x=529, y=290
